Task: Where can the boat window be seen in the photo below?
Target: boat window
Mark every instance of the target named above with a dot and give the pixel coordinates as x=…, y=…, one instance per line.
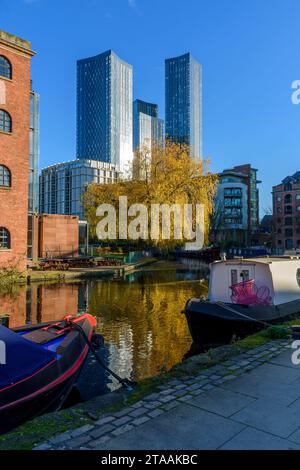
x=245, y=275
x=234, y=278
x=298, y=276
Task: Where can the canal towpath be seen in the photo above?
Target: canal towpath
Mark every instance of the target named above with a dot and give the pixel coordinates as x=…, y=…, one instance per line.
x=249, y=401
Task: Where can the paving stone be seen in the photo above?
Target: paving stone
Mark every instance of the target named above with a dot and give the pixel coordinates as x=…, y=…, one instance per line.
x=123, y=420
x=141, y=420
x=179, y=387
x=268, y=416
x=194, y=387
x=82, y=430
x=42, y=447
x=185, y=398
x=61, y=437
x=179, y=393
x=208, y=387
x=98, y=432
x=78, y=441
x=152, y=397
x=222, y=402
x=166, y=399
x=105, y=420
x=183, y=428
x=167, y=391
x=155, y=413
x=170, y=405
x=98, y=443
x=152, y=405
x=121, y=413
x=122, y=429
x=138, y=412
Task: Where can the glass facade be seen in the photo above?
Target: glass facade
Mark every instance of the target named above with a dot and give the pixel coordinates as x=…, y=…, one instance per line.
x=104, y=110
x=183, y=88
x=148, y=129
x=62, y=185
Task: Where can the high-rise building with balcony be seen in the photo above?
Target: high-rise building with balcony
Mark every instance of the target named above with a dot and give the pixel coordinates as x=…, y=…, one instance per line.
x=104, y=110
x=183, y=100
x=236, y=215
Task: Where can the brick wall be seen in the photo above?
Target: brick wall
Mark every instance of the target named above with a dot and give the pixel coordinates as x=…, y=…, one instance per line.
x=58, y=235
x=14, y=150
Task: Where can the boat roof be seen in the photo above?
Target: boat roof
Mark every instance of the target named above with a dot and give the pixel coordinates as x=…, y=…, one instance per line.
x=262, y=259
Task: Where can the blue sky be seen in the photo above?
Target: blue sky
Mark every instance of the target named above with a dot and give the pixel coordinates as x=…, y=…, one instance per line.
x=249, y=50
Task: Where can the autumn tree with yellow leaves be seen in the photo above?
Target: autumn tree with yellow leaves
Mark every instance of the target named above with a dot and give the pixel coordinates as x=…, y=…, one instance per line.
x=160, y=175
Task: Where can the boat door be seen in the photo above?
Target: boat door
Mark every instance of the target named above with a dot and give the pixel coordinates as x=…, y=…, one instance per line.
x=239, y=273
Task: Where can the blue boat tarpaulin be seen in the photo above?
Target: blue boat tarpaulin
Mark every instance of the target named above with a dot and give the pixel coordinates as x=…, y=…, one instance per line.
x=19, y=357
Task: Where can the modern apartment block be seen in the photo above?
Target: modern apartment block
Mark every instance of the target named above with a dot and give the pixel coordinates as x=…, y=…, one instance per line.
x=183, y=101
x=237, y=206
x=104, y=110
x=15, y=58
x=62, y=185
x=34, y=156
x=286, y=213
x=148, y=128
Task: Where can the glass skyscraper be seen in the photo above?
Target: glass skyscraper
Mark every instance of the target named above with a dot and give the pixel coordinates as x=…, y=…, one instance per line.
x=183, y=88
x=104, y=110
x=148, y=128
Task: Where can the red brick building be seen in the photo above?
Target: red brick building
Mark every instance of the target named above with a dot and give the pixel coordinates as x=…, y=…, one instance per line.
x=286, y=213
x=58, y=235
x=15, y=57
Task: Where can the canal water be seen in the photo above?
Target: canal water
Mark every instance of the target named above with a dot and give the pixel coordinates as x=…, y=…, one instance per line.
x=140, y=318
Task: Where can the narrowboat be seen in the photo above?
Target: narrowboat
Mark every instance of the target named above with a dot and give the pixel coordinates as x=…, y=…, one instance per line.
x=39, y=366
x=244, y=296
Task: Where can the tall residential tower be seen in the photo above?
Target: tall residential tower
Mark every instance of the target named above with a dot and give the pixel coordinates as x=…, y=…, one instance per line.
x=104, y=110
x=183, y=88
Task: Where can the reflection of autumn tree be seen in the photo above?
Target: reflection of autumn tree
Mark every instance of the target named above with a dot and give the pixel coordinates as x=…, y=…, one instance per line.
x=152, y=315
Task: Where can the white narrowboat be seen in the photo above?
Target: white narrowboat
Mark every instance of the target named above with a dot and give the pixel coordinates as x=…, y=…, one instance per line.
x=245, y=295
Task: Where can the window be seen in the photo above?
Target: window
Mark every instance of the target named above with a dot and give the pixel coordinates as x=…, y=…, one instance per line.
x=288, y=232
x=287, y=199
x=289, y=244
x=279, y=220
x=5, y=67
x=298, y=197
x=5, y=121
x=298, y=276
x=287, y=187
x=5, y=177
x=288, y=221
x=279, y=230
x=4, y=238
x=288, y=210
x=278, y=198
x=234, y=278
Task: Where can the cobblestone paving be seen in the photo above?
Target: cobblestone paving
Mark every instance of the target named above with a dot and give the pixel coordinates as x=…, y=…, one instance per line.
x=171, y=395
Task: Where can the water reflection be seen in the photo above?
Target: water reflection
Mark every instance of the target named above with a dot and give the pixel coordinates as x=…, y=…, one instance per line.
x=139, y=317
